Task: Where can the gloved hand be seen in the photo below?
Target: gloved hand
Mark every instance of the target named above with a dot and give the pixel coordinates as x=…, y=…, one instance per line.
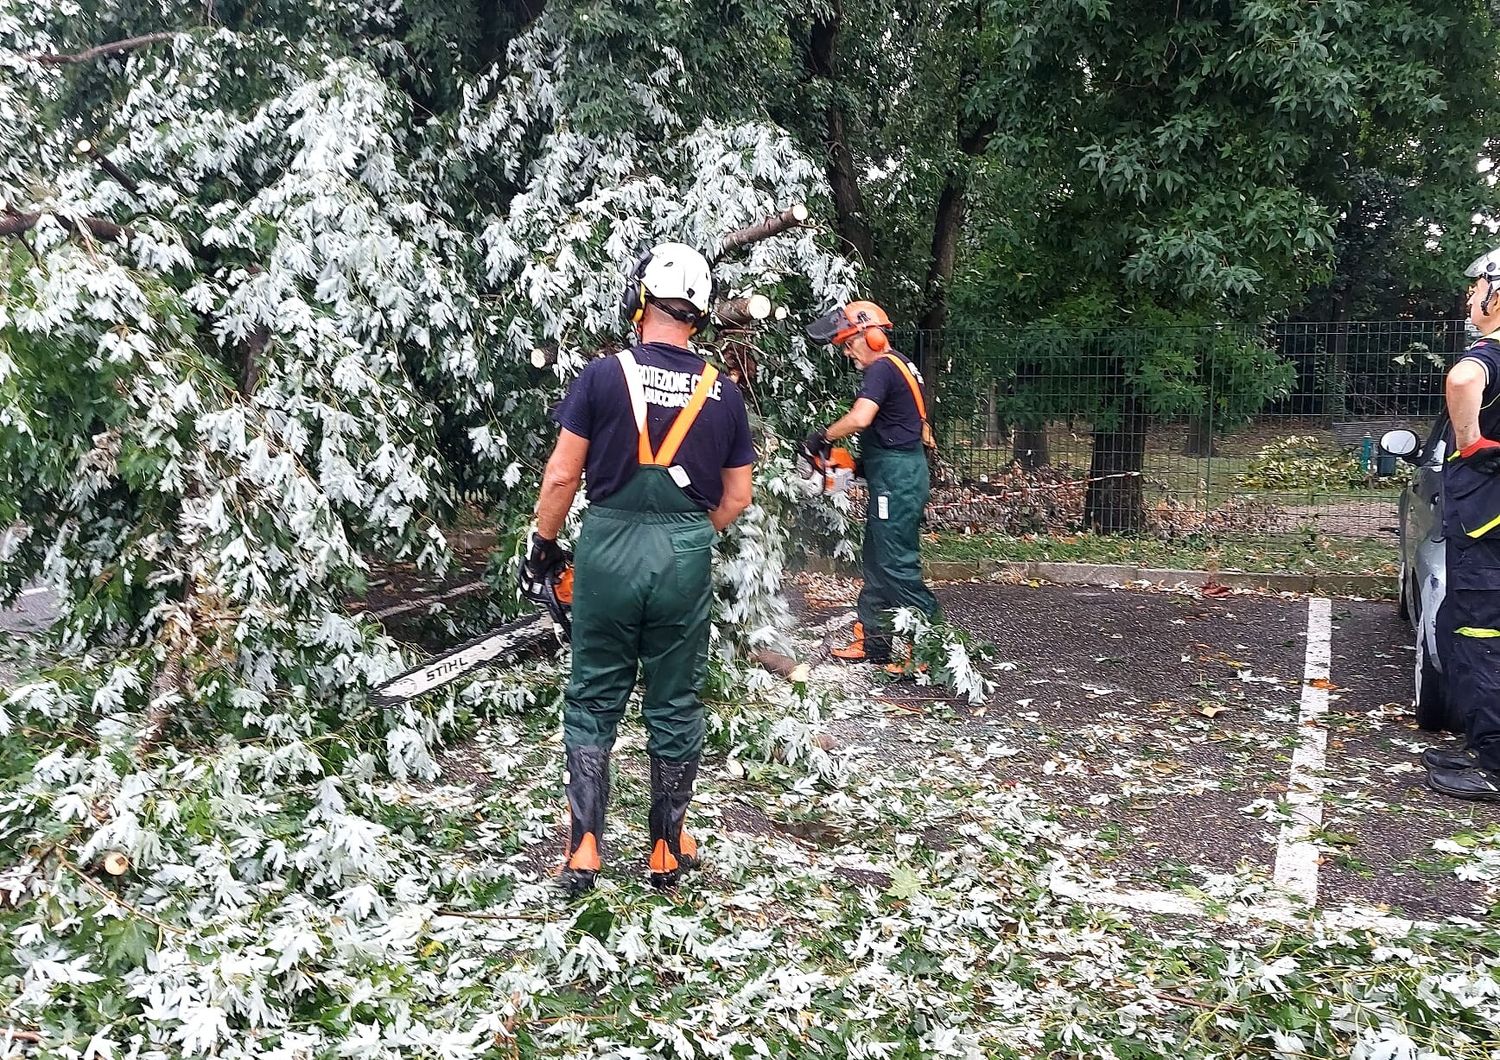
x=817, y=444
x=1482, y=455
x=544, y=559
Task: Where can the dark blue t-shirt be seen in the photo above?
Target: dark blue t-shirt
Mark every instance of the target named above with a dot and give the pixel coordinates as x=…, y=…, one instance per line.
x=597, y=407
x=897, y=425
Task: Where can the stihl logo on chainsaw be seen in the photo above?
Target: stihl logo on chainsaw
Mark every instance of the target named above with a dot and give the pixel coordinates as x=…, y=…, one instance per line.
x=502, y=644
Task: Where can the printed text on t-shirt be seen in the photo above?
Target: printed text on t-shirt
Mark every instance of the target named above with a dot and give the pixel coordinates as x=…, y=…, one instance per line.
x=672, y=390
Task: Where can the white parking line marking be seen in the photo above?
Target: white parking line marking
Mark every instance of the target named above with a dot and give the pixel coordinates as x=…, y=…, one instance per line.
x=1296, y=869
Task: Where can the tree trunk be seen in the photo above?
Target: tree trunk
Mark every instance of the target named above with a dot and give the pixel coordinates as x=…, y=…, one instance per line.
x=1200, y=438
x=946, y=228
x=1030, y=450
x=843, y=180
x=1115, y=502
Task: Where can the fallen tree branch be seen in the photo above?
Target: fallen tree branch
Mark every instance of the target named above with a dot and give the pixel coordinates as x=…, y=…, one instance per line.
x=13, y=223
x=743, y=312
x=791, y=217
x=120, y=176
x=785, y=665
x=114, y=899
x=99, y=50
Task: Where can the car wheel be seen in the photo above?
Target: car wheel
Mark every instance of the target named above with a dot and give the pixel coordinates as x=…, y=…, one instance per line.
x=1403, y=600
x=1431, y=700
x=1430, y=703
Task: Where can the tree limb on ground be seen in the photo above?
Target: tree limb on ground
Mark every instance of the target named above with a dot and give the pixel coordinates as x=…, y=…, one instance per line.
x=99, y=50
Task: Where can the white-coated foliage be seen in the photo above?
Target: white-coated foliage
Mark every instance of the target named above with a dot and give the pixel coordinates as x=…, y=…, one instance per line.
x=289, y=892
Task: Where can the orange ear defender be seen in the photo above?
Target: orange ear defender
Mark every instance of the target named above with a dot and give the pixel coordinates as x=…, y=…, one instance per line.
x=877, y=340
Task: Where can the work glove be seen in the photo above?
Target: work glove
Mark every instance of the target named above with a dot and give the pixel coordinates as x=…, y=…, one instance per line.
x=545, y=559
x=816, y=445
x=1482, y=455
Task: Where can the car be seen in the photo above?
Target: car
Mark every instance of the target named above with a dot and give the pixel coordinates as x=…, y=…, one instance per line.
x=1424, y=570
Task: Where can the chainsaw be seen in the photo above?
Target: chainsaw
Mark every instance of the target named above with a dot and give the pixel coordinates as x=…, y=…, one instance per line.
x=555, y=619
x=824, y=474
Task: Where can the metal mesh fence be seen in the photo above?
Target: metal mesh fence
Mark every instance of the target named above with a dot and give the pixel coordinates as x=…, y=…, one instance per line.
x=1229, y=430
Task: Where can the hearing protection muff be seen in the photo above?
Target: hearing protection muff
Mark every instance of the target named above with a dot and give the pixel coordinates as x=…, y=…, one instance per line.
x=633, y=298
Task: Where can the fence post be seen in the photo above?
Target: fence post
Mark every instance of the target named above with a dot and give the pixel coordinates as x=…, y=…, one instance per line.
x=1208, y=458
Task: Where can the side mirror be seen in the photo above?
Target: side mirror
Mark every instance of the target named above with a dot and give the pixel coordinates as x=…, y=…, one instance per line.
x=1400, y=443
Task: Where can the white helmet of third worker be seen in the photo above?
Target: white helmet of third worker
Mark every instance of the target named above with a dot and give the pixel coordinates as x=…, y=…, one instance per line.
x=1486, y=265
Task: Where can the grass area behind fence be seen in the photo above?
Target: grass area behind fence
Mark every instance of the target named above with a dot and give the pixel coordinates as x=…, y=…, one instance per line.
x=1294, y=553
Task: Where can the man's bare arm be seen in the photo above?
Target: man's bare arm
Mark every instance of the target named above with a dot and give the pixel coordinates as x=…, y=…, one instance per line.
x=737, y=496
x=853, y=421
x=1465, y=393
x=560, y=483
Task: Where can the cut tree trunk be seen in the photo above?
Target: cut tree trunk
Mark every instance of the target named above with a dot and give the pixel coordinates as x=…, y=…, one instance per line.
x=791, y=217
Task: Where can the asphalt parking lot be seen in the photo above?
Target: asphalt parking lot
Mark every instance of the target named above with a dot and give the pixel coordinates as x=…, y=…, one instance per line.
x=1164, y=727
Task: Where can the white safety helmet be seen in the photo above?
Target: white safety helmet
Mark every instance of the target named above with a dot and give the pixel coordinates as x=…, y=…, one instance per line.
x=668, y=271
x=1488, y=267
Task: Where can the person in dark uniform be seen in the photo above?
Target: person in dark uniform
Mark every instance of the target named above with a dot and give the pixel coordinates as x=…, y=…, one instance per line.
x=890, y=416
x=664, y=443
x=1469, y=634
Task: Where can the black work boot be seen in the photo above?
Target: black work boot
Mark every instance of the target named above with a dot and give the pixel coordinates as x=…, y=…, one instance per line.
x=587, y=785
x=673, y=851
x=1475, y=784
x=1450, y=758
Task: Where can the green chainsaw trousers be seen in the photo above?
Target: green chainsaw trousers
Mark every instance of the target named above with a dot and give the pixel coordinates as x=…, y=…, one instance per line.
x=642, y=585
x=892, y=559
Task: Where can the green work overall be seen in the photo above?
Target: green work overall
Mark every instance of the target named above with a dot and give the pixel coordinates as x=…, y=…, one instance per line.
x=892, y=560
x=642, y=585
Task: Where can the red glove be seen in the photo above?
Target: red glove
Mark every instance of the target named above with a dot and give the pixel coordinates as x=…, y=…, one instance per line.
x=1482, y=454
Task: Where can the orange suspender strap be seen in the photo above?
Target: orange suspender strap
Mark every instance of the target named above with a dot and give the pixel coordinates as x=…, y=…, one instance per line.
x=911, y=381
x=916, y=394
x=685, y=419
x=680, y=425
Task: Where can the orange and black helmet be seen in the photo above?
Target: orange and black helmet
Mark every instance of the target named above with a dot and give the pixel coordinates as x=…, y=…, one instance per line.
x=842, y=323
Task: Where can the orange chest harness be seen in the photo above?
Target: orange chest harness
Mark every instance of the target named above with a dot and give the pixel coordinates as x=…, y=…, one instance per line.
x=681, y=423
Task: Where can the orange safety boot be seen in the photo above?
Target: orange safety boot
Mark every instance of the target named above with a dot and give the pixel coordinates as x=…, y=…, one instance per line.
x=673, y=851
x=588, y=793
x=864, y=649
